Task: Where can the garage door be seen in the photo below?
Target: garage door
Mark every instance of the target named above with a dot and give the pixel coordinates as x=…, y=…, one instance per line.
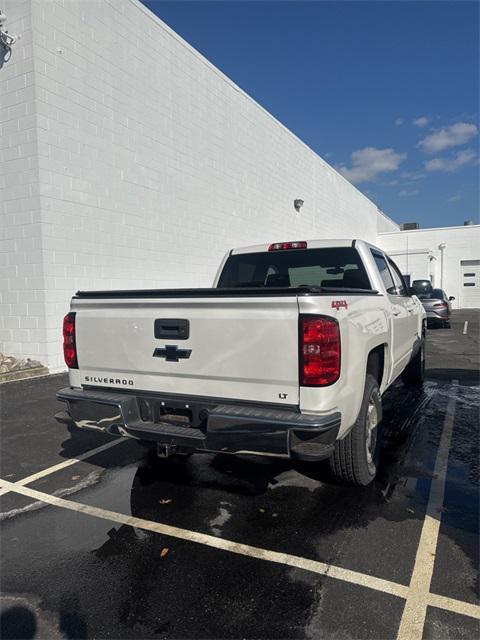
x=470, y=283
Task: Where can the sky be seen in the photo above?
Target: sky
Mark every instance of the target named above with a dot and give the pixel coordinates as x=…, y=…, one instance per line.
x=386, y=92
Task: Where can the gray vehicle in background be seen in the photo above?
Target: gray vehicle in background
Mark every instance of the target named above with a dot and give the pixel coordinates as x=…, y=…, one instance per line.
x=435, y=302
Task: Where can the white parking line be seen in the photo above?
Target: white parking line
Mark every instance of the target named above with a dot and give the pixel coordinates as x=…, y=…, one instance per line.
x=90, y=480
x=213, y=541
x=465, y=327
x=65, y=463
x=456, y=606
x=413, y=618
x=321, y=568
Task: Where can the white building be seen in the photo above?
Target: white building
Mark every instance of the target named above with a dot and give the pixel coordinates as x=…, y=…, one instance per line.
x=128, y=160
x=448, y=256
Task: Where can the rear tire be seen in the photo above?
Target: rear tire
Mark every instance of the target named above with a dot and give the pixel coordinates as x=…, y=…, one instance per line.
x=355, y=460
x=414, y=372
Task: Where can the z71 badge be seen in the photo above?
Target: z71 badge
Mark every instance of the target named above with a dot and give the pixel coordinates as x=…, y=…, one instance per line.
x=339, y=304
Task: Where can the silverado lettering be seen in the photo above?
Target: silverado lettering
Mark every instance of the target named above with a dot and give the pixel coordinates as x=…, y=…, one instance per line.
x=109, y=380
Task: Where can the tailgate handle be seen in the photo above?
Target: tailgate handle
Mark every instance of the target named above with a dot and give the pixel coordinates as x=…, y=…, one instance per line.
x=172, y=328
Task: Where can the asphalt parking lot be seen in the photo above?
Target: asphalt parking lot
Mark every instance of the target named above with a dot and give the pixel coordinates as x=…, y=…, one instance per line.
x=101, y=541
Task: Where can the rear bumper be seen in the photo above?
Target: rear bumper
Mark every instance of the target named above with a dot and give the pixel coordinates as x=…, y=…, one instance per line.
x=441, y=314
x=206, y=425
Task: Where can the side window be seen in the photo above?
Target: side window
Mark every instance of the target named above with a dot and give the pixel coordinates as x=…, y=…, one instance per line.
x=400, y=288
x=384, y=271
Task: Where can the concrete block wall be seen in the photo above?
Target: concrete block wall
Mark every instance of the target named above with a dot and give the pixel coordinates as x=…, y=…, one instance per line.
x=411, y=250
x=150, y=164
x=22, y=288
x=386, y=224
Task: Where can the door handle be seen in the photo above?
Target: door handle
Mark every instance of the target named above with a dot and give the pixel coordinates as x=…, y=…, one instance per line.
x=396, y=313
x=172, y=329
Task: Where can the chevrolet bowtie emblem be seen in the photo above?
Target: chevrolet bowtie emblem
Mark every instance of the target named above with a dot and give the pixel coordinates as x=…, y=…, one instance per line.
x=172, y=353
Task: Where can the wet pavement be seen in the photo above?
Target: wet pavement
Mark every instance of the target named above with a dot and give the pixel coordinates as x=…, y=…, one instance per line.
x=91, y=572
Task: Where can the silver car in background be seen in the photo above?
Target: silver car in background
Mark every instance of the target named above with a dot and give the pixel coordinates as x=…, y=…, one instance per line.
x=437, y=306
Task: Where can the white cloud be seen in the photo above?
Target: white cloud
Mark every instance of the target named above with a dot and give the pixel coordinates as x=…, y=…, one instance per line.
x=399, y=121
x=369, y=162
x=455, y=198
x=453, y=136
x=412, y=176
x=421, y=122
x=451, y=164
x=405, y=193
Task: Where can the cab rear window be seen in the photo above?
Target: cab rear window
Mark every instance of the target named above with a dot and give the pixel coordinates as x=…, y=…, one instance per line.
x=337, y=267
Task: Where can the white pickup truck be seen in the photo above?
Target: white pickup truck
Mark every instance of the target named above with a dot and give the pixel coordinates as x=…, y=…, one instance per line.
x=288, y=355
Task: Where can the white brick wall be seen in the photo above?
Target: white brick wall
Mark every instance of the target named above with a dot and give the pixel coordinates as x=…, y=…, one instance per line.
x=22, y=289
x=386, y=224
x=411, y=250
x=145, y=164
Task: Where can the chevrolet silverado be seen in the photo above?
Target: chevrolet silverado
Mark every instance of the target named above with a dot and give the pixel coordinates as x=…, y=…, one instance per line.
x=287, y=355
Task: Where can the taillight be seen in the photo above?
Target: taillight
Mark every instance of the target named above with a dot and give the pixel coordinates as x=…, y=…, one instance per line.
x=319, y=351
x=278, y=246
x=441, y=304
x=69, y=348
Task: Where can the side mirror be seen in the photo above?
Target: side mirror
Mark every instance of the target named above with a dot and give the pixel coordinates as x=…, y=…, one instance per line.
x=451, y=298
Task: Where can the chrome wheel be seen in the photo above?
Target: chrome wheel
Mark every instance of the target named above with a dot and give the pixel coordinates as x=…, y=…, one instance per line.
x=371, y=430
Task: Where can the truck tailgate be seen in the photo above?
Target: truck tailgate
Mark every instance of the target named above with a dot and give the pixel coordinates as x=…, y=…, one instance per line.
x=240, y=348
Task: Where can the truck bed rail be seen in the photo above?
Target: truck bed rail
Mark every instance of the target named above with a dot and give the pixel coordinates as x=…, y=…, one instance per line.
x=241, y=292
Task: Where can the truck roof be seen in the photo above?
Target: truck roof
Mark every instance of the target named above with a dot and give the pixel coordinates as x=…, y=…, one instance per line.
x=311, y=244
